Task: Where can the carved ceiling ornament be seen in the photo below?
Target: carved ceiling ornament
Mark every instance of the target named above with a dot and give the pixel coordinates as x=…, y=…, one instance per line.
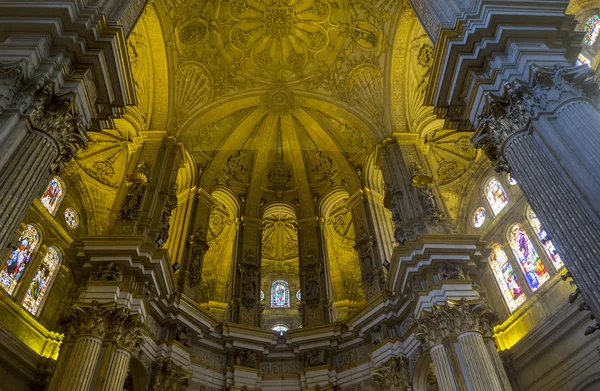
x=392, y=375
x=453, y=319
x=279, y=237
x=505, y=116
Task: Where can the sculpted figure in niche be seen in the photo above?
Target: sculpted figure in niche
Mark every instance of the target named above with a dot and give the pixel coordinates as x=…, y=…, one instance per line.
x=199, y=247
x=248, y=285
x=397, y=219
x=137, y=181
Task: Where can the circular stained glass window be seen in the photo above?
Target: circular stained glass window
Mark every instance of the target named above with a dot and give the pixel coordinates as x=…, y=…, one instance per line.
x=511, y=181
x=72, y=217
x=479, y=217
x=298, y=296
x=262, y=295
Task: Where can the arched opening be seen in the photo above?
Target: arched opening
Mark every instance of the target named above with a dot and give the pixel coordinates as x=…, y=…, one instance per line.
x=280, y=269
x=53, y=195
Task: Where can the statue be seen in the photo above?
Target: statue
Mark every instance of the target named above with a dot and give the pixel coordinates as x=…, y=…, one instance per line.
x=137, y=182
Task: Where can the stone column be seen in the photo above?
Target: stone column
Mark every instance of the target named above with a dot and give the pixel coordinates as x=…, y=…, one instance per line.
x=466, y=324
x=54, y=133
x=86, y=326
x=123, y=336
x=443, y=368
x=432, y=334
x=545, y=133
x=479, y=367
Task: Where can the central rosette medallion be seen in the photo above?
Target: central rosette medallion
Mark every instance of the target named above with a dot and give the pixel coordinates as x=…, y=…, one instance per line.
x=281, y=40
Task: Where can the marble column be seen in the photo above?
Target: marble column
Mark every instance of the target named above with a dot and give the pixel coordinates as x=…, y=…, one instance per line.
x=123, y=335
x=443, y=368
x=545, y=133
x=464, y=324
x=479, y=367
x=54, y=133
x=86, y=327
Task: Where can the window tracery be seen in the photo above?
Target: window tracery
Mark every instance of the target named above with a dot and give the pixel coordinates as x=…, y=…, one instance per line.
x=280, y=294
x=42, y=281
x=496, y=195
x=53, y=195
x=506, y=278
x=533, y=267
x=19, y=258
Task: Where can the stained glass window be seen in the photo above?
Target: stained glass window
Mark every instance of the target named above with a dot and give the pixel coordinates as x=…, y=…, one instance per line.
x=262, y=295
x=280, y=328
x=581, y=59
x=533, y=268
x=72, y=218
x=496, y=195
x=546, y=241
x=53, y=195
x=298, y=295
x=511, y=181
x=505, y=276
x=479, y=217
x=40, y=283
x=280, y=294
x=19, y=258
x=592, y=29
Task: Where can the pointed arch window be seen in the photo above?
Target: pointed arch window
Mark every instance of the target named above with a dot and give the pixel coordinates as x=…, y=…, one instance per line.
x=19, y=258
x=506, y=278
x=55, y=191
x=280, y=294
x=496, y=195
x=546, y=241
x=592, y=30
x=42, y=280
x=533, y=267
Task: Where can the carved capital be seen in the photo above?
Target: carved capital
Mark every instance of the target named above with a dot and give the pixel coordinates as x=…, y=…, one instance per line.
x=547, y=89
x=392, y=375
x=57, y=117
x=124, y=329
x=87, y=319
x=454, y=319
x=166, y=375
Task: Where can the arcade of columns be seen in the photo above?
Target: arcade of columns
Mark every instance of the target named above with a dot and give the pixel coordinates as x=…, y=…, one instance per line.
x=501, y=69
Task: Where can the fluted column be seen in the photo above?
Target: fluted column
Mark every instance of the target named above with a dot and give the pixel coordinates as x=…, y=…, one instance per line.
x=86, y=325
x=23, y=179
x=480, y=369
x=466, y=324
x=123, y=336
x=443, y=368
x=545, y=133
x=54, y=134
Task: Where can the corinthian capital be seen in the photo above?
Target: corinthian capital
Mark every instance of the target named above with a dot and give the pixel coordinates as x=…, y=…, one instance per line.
x=453, y=319
x=57, y=117
x=124, y=329
x=87, y=319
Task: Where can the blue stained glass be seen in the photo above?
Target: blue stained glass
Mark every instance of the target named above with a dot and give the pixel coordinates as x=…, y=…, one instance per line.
x=546, y=241
x=592, y=29
x=19, y=258
x=496, y=195
x=506, y=279
x=280, y=294
x=533, y=267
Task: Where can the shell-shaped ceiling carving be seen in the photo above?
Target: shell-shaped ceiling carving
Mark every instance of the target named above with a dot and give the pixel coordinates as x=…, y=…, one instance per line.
x=194, y=89
x=280, y=237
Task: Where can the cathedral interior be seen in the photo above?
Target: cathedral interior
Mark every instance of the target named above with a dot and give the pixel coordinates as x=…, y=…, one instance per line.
x=299, y=195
